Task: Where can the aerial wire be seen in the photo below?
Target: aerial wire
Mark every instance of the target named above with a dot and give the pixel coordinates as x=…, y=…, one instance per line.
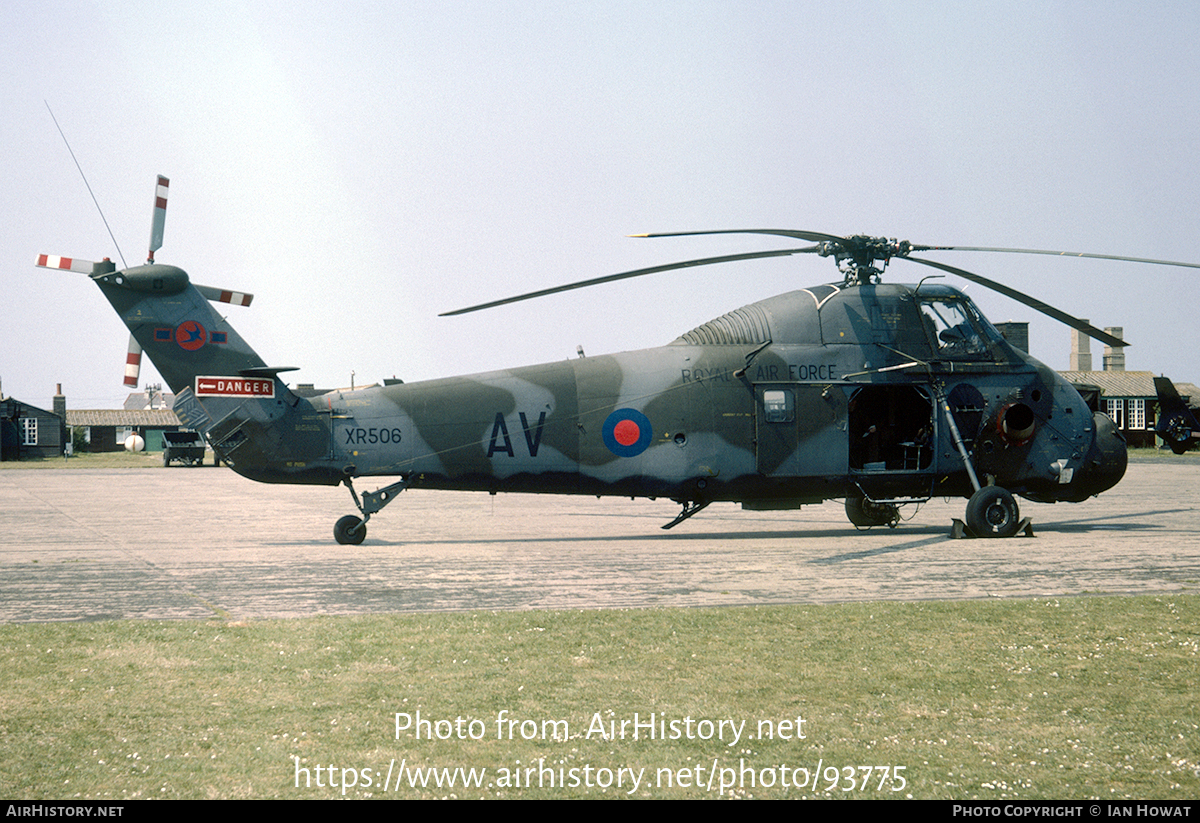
x=124, y=265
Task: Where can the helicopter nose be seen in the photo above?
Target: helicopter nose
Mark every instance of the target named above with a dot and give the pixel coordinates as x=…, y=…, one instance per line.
x=1106, y=460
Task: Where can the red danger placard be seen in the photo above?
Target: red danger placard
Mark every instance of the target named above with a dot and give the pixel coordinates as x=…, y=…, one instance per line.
x=234, y=387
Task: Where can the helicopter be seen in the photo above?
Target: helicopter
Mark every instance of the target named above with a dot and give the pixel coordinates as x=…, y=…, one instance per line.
x=875, y=393
x=1177, y=421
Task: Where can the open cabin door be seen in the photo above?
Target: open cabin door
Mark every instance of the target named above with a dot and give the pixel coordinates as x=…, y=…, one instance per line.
x=800, y=429
x=892, y=435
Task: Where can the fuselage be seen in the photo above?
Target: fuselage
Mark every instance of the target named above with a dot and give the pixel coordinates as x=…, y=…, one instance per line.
x=807, y=396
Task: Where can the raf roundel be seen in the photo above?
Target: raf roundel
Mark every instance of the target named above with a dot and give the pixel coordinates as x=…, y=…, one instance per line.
x=627, y=432
x=191, y=336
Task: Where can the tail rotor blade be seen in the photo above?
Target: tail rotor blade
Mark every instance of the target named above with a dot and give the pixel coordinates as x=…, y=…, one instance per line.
x=52, y=261
x=237, y=298
x=159, y=220
x=133, y=362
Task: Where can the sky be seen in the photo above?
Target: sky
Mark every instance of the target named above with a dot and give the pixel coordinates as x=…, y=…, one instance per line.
x=361, y=167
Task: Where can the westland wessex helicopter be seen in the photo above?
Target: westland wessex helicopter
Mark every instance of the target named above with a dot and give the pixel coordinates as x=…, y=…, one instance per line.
x=1177, y=421
x=876, y=393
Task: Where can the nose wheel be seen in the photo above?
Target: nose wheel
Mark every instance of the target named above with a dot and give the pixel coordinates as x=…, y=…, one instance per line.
x=992, y=512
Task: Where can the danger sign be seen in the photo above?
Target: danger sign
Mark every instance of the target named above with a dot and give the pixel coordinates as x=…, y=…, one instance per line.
x=234, y=387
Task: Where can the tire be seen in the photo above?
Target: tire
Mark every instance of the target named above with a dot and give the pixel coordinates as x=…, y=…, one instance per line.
x=864, y=514
x=992, y=512
x=349, y=530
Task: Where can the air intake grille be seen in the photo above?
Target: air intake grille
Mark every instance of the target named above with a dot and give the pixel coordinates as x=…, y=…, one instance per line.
x=747, y=325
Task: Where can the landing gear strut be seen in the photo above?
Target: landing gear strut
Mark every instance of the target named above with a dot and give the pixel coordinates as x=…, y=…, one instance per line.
x=992, y=510
x=351, y=530
x=690, y=507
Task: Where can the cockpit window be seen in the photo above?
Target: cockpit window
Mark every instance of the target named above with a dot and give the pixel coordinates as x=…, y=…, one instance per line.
x=952, y=329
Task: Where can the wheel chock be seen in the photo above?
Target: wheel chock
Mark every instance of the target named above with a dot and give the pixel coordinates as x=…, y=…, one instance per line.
x=960, y=530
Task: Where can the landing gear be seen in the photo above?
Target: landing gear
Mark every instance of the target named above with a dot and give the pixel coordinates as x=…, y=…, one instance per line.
x=351, y=530
x=690, y=507
x=864, y=513
x=992, y=512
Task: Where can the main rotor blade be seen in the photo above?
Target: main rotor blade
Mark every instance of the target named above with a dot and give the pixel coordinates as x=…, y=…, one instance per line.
x=1061, y=254
x=595, y=281
x=811, y=236
x=1032, y=302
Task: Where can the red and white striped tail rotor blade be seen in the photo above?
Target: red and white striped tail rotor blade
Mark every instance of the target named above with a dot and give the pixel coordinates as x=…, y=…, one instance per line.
x=237, y=298
x=52, y=261
x=159, y=220
x=133, y=362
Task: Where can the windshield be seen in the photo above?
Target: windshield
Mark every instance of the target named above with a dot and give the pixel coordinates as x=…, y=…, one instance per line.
x=952, y=329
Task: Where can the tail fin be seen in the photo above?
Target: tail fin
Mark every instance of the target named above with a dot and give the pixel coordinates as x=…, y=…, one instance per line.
x=223, y=389
x=1177, y=423
x=174, y=323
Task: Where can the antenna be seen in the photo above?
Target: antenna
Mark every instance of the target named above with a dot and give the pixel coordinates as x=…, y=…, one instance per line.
x=85, y=183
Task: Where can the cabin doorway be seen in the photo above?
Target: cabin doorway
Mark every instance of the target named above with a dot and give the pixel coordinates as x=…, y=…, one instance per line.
x=891, y=429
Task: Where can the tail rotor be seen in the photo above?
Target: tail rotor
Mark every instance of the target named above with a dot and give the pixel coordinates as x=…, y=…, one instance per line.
x=133, y=357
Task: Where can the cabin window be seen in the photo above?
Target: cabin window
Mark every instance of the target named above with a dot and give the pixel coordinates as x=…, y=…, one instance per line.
x=779, y=406
x=29, y=429
x=1116, y=410
x=951, y=329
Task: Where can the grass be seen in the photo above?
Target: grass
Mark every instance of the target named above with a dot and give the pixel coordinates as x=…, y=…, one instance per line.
x=1161, y=455
x=1067, y=698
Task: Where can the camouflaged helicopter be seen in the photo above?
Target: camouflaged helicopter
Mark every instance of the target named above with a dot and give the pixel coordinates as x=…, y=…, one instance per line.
x=1177, y=421
x=876, y=393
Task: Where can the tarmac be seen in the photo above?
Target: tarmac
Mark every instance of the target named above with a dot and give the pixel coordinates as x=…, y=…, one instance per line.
x=204, y=543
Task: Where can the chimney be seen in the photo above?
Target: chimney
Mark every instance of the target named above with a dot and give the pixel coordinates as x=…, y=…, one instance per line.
x=1017, y=334
x=60, y=404
x=1081, y=352
x=1114, y=356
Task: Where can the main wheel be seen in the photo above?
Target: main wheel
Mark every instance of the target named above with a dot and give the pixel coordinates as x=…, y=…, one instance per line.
x=864, y=514
x=349, y=530
x=992, y=512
